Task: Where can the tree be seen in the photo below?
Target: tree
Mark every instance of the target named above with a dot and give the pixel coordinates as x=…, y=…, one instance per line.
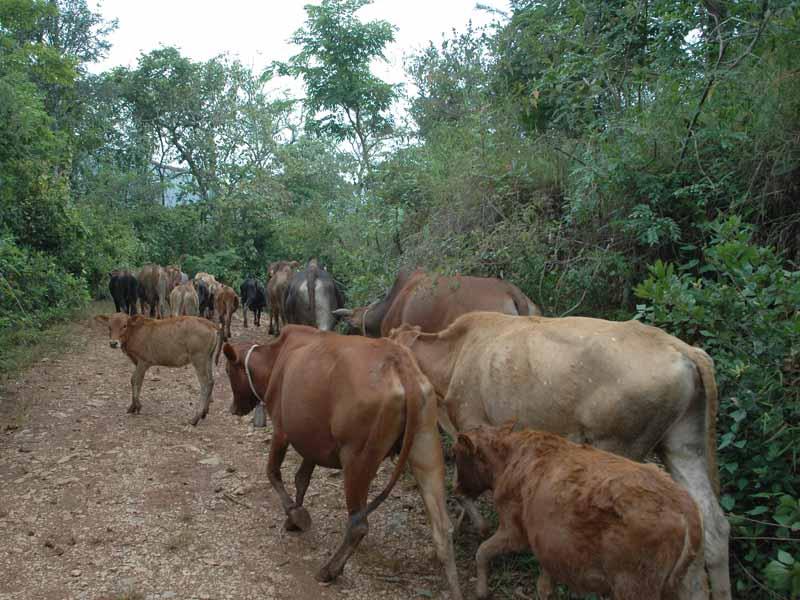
x=343, y=98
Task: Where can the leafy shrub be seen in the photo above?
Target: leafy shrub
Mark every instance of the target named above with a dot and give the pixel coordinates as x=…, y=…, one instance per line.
x=741, y=306
x=34, y=292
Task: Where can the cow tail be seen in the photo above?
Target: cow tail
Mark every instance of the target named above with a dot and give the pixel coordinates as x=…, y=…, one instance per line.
x=311, y=278
x=691, y=540
x=414, y=402
x=705, y=367
x=219, y=342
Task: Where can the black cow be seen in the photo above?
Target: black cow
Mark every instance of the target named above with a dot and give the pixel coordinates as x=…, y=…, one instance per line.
x=311, y=298
x=123, y=287
x=254, y=297
x=205, y=299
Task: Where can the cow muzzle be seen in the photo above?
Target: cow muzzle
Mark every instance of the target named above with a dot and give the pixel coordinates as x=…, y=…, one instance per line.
x=114, y=343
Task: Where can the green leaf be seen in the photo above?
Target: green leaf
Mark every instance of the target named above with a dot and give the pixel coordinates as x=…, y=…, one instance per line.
x=727, y=502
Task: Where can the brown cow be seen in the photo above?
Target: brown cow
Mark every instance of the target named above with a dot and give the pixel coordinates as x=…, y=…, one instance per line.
x=279, y=274
x=172, y=342
x=153, y=291
x=174, y=275
x=623, y=387
x=345, y=403
x=433, y=302
x=183, y=300
x=596, y=522
x=226, y=302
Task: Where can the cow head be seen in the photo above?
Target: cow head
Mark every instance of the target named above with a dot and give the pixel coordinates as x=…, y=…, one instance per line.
x=244, y=401
x=473, y=466
x=117, y=327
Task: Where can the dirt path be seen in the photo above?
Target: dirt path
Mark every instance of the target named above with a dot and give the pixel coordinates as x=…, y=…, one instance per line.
x=96, y=503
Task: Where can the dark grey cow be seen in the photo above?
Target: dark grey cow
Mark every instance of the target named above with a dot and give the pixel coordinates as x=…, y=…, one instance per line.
x=311, y=298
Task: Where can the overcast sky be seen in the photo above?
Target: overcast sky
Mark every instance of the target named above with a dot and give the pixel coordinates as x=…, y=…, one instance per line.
x=257, y=32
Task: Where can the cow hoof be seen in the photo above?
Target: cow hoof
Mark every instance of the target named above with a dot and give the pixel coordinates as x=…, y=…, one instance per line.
x=194, y=420
x=298, y=519
x=324, y=575
x=134, y=410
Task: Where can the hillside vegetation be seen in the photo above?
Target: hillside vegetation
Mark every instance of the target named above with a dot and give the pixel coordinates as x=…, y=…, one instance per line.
x=621, y=159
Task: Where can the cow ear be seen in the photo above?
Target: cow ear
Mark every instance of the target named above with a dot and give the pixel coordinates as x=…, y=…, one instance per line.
x=466, y=443
x=102, y=319
x=230, y=352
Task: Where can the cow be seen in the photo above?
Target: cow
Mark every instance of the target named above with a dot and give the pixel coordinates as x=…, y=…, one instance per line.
x=366, y=400
x=433, y=302
x=254, y=297
x=623, y=387
x=205, y=301
x=153, y=290
x=171, y=342
x=312, y=297
x=226, y=302
x=279, y=274
x=213, y=285
x=596, y=522
x=174, y=277
x=184, y=301
x=124, y=290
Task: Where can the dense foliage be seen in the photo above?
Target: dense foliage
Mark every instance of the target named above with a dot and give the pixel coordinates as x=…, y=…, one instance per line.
x=617, y=159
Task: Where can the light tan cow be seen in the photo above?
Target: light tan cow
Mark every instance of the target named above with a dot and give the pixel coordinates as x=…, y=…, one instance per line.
x=207, y=309
x=623, y=387
x=183, y=300
x=172, y=342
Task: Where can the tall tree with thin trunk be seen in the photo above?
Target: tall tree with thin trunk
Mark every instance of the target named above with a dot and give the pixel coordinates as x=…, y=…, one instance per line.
x=343, y=98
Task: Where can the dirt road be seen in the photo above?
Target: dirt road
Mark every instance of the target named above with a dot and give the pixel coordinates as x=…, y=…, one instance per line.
x=97, y=503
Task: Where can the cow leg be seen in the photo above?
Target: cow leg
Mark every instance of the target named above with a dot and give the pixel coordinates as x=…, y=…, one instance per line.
x=257, y=317
x=116, y=305
x=544, y=586
x=427, y=465
x=683, y=452
x=244, y=314
x=277, y=452
x=205, y=375
x=359, y=471
x=301, y=520
x=136, y=386
x=507, y=538
x=471, y=510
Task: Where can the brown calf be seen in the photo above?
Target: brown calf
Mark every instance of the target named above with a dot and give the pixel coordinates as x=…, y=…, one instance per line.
x=173, y=342
x=345, y=403
x=596, y=522
x=226, y=302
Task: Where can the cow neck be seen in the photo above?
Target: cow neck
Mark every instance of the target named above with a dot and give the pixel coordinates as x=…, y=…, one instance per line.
x=247, y=370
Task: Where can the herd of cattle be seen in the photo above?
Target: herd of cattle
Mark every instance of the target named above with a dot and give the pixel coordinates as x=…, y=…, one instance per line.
x=554, y=415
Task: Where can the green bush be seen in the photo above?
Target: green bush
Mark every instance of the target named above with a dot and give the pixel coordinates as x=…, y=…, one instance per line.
x=34, y=292
x=742, y=307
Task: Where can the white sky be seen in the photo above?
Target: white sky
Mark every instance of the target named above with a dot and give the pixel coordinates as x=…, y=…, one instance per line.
x=258, y=32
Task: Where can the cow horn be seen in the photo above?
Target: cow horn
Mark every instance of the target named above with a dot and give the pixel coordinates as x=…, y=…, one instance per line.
x=342, y=312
